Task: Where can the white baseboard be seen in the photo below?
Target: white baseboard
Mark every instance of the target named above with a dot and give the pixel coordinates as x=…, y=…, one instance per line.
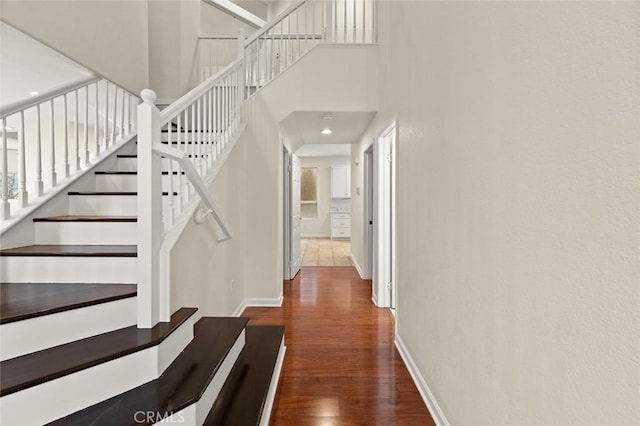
x=357, y=266
x=434, y=409
x=258, y=302
x=374, y=299
x=316, y=236
x=240, y=309
x=266, y=301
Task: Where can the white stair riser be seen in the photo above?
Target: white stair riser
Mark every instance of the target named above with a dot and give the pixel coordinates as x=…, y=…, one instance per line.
x=273, y=386
x=130, y=182
x=68, y=269
x=195, y=414
x=65, y=395
x=126, y=164
x=91, y=233
x=30, y=335
x=116, y=205
x=117, y=183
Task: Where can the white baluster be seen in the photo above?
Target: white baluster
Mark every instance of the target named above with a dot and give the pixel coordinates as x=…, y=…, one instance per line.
x=192, y=112
x=106, y=116
x=23, y=195
x=5, y=211
x=122, y=132
x=39, y=184
x=170, y=213
x=86, y=127
x=344, y=22
x=76, y=128
x=66, y=135
x=354, y=20
x=54, y=177
x=115, y=115
x=97, y=123
x=180, y=178
x=198, y=147
x=130, y=115
x=364, y=21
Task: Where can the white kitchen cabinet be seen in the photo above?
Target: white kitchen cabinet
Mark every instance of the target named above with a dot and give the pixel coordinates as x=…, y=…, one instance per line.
x=341, y=182
x=340, y=225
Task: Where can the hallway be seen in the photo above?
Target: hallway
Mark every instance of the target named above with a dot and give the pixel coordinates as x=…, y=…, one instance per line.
x=341, y=366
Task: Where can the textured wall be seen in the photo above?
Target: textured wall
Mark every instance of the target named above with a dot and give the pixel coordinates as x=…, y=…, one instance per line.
x=518, y=225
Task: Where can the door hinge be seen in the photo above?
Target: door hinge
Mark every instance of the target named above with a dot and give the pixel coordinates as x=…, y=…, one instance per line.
x=389, y=286
x=388, y=158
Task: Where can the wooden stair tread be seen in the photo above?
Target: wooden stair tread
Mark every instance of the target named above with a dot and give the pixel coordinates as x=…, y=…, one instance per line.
x=181, y=385
x=116, y=172
x=102, y=193
x=20, y=301
x=126, y=155
x=73, y=250
x=86, y=218
x=39, y=367
x=242, y=398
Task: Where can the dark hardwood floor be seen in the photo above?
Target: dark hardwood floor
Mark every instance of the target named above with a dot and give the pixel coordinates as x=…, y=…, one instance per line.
x=341, y=365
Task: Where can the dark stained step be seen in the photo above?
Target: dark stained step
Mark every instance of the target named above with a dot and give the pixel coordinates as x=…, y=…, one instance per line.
x=49, y=364
x=126, y=155
x=102, y=193
x=175, y=173
x=181, y=385
x=109, y=193
x=242, y=398
x=73, y=250
x=116, y=172
x=86, y=218
x=20, y=301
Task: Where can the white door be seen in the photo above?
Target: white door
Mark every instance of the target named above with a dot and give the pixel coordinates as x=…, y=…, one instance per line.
x=296, y=219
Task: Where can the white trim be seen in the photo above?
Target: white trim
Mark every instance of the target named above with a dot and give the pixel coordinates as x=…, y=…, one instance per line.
x=265, y=301
x=240, y=309
x=328, y=236
x=273, y=386
x=357, y=266
x=374, y=298
x=434, y=409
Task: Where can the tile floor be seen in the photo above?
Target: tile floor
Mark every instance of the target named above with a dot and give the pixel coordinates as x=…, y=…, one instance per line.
x=325, y=252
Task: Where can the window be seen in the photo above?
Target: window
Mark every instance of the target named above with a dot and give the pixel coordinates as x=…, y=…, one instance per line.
x=309, y=193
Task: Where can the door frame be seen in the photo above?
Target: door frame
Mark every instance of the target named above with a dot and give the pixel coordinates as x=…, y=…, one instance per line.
x=286, y=208
x=369, y=202
x=384, y=277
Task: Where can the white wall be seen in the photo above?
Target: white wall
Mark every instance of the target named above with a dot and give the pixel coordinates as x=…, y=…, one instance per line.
x=518, y=226
x=109, y=37
x=321, y=225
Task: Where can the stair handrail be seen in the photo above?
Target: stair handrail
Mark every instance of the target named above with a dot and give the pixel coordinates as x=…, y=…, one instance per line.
x=42, y=98
x=275, y=21
x=55, y=122
x=203, y=124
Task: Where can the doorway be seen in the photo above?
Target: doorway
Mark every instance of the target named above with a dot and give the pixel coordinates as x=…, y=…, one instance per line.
x=380, y=217
x=292, y=215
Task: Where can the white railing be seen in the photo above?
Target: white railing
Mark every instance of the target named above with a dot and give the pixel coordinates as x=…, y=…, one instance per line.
x=49, y=138
x=215, y=52
x=300, y=27
x=179, y=150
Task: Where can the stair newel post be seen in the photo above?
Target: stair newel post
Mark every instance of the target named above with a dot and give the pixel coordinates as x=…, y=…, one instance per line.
x=149, y=212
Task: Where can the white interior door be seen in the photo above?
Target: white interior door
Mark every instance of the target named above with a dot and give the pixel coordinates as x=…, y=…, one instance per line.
x=296, y=219
x=384, y=270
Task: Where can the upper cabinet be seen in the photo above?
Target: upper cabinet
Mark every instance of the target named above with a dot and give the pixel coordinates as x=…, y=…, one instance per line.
x=341, y=182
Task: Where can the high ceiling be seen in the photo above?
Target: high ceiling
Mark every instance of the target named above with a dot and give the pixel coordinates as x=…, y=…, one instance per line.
x=27, y=65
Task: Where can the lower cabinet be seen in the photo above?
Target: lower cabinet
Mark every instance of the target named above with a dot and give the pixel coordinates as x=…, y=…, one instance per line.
x=340, y=226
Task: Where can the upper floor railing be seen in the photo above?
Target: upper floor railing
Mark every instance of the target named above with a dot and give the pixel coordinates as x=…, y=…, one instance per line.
x=48, y=138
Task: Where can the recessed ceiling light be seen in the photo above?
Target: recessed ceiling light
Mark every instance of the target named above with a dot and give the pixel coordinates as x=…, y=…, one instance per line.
x=326, y=131
x=327, y=117
x=34, y=93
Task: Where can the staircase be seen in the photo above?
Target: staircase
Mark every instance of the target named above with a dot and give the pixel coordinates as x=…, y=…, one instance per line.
x=72, y=352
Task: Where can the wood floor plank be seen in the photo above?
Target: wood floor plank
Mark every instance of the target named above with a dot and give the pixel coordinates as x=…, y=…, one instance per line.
x=341, y=366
